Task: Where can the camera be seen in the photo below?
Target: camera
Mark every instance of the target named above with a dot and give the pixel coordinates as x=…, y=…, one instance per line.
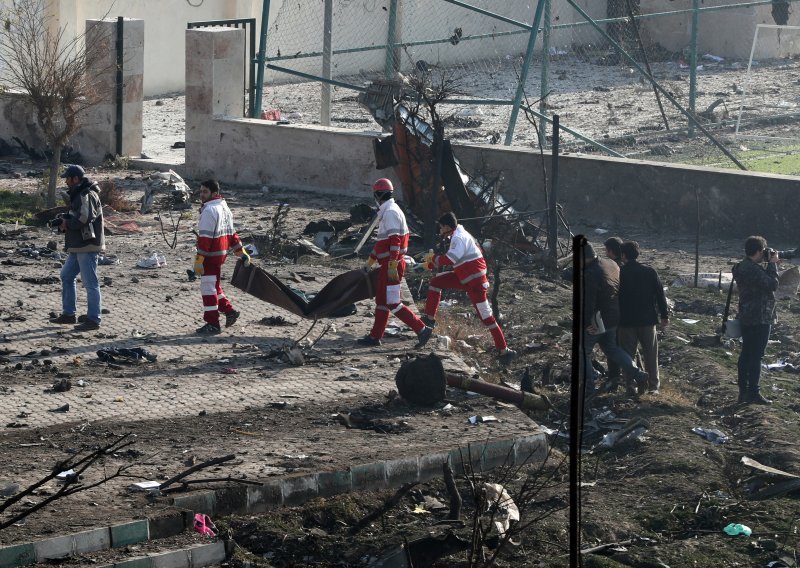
x=55, y=223
x=768, y=252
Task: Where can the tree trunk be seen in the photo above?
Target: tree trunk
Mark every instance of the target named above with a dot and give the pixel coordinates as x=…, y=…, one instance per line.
x=55, y=167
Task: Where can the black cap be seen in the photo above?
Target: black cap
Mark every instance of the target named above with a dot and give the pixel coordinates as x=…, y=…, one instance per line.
x=73, y=171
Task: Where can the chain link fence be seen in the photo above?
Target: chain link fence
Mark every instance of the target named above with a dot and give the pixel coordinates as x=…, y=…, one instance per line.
x=698, y=53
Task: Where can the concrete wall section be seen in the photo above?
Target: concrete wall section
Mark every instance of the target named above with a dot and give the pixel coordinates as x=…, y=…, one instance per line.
x=258, y=152
x=618, y=192
x=214, y=77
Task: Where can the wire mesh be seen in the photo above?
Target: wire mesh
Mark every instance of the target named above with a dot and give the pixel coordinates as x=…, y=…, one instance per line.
x=596, y=89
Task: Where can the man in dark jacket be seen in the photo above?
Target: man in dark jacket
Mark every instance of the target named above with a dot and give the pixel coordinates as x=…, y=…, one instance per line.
x=84, y=241
x=641, y=302
x=601, y=317
x=756, y=286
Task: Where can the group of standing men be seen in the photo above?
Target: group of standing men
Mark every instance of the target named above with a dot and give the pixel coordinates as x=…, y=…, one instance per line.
x=624, y=303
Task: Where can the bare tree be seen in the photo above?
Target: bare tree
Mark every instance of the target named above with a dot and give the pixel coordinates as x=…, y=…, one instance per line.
x=50, y=72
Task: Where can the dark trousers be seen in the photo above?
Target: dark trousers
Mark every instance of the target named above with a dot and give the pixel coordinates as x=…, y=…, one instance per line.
x=754, y=342
x=608, y=343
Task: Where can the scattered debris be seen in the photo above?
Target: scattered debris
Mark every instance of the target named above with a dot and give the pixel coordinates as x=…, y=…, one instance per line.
x=712, y=435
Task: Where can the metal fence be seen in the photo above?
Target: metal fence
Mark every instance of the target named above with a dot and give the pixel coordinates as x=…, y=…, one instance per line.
x=626, y=77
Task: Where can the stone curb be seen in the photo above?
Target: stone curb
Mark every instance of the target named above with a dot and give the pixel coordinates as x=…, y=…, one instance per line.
x=196, y=556
x=288, y=491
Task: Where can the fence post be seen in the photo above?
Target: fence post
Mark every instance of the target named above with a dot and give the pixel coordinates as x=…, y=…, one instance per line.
x=327, y=30
x=262, y=57
x=526, y=65
x=391, y=39
x=693, y=64
x=120, y=87
x=552, y=205
x=545, y=70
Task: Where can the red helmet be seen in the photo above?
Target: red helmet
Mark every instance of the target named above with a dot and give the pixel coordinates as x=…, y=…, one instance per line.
x=382, y=184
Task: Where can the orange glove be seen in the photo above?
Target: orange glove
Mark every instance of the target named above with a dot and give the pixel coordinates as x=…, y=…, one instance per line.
x=394, y=275
x=429, y=260
x=198, y=264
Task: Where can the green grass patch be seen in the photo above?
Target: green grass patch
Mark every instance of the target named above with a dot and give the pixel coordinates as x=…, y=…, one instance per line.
x=18, y=207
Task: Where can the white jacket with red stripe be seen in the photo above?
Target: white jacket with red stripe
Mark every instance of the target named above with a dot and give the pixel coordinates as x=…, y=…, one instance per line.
x=466, y=257
x=392, y=233
x=216, y=235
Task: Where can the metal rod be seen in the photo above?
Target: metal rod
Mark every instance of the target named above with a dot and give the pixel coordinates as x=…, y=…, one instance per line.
x=492, y=14
x=671, y=13
x=262, y=56
x=325, y=95
x=646, y=60
x=746, y=81
x=545, y=76
x=552, y=221
x=311, y=77
x=251, y=99
x=655, y=83
x=120, y=87
x=492, y=35
x=577, y=134
x=390, y=67
x=523, y=76
x=693, y=64
x=576, y=395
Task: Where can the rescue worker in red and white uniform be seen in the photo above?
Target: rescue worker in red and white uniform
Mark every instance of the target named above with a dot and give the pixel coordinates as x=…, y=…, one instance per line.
x=390, y=252
x=469, y=274
x=216, y=238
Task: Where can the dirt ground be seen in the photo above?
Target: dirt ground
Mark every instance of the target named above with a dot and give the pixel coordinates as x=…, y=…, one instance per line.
x=665, y=496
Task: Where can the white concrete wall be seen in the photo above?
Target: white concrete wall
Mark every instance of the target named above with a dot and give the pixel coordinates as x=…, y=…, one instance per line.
x=727, y=33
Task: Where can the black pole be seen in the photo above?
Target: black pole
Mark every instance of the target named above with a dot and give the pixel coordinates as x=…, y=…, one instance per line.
x=576, y=401
x=120, y=87
x=433, y=206
x=552, y=223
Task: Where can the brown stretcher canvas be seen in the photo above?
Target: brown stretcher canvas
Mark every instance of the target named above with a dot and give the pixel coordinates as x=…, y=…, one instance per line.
x=344, y=289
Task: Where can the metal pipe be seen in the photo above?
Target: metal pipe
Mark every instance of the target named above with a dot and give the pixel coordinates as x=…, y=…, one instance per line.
x=672, y=13
x=655, y=83
x=693, y=65
x=390, y=67
x=552, y=220
x=491, y=14
x=325, y=95
x=522, y=399
x=545, y=76
x=576, y=399
x=120, y=45
x=523, y=76
x=262, y=56
x=251, y=90
x=311, y=77
x=406, y=44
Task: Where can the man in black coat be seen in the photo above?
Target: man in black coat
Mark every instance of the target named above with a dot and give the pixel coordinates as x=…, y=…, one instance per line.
x=601, y=317
x=642, y=306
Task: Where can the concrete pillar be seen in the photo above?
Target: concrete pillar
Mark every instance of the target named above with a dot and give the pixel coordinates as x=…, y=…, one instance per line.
x=98, y=136
x=214, y=87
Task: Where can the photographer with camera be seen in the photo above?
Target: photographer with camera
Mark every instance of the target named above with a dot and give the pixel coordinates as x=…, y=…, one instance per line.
x=84, y=240
x=756, y=286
